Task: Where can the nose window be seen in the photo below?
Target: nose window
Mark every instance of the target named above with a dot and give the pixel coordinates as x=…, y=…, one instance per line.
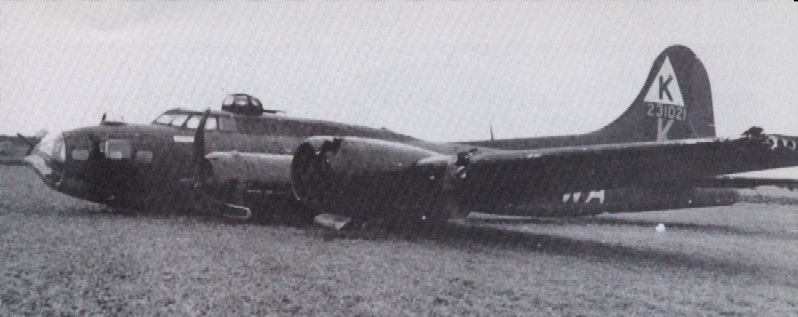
x=118, y=149
x=51, y=144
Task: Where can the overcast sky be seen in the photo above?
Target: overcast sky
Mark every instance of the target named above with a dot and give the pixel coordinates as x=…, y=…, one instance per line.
x=438, y=71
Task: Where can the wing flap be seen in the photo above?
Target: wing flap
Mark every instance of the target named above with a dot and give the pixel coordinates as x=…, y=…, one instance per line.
x=748, y=182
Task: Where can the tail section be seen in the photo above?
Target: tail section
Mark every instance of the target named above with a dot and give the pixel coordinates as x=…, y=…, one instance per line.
x=675, y=103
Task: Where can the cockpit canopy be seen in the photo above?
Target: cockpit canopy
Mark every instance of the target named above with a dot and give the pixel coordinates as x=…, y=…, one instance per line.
x=240, y=104
x=187, y=120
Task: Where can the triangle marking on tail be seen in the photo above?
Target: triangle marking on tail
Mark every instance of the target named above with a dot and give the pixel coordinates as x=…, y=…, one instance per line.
x=664, y=100
x=665, y=88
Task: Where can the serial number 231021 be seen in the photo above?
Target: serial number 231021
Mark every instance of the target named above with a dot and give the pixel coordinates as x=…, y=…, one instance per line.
x=665, y=111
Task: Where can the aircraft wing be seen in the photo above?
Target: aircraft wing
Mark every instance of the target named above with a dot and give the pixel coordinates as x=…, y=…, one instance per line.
x=509, y=175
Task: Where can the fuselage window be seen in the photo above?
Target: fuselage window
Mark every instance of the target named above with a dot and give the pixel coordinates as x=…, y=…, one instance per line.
x=211, y=124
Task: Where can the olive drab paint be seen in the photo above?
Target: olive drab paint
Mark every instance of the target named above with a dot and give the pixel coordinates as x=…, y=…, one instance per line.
x=659, y=153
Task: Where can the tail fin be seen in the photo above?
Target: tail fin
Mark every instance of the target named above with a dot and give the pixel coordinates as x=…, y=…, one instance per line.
x=675, y=103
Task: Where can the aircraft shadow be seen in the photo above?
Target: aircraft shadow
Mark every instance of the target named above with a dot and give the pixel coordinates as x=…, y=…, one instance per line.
x=468, y=237
x=670, y=225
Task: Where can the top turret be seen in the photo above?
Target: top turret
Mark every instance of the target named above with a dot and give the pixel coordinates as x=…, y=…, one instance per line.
x=245, y=105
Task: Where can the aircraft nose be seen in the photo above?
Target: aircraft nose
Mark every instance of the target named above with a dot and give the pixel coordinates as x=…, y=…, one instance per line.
x=56, y=160
x=48, y=159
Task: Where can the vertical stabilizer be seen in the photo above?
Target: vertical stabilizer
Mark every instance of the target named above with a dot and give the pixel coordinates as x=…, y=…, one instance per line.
x=675, y=103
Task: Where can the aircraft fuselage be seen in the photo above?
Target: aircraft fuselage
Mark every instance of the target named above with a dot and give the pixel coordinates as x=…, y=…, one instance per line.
x=150, y=163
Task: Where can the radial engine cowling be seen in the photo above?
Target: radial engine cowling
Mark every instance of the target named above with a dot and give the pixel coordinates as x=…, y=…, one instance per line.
x=366, y=177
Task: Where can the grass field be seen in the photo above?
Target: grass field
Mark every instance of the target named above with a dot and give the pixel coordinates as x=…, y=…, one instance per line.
x=61, y=255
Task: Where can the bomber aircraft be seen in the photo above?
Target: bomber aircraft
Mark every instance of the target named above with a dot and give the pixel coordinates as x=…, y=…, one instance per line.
x=661, y=153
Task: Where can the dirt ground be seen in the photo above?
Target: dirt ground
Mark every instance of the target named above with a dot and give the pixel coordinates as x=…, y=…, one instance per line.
x=59, y=255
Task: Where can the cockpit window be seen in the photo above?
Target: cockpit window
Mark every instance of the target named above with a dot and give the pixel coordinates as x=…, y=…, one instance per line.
x=164, y=119
x=194, y=121
x=175, y=120
x=178, y=120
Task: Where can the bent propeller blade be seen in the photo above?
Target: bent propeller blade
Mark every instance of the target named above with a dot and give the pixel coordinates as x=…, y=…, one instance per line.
x=30, y=144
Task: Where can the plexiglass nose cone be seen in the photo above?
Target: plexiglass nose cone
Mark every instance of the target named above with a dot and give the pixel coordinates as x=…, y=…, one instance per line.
x=48, y=158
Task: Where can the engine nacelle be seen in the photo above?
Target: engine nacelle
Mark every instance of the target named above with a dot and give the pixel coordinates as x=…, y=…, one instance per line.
x=366, y=177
